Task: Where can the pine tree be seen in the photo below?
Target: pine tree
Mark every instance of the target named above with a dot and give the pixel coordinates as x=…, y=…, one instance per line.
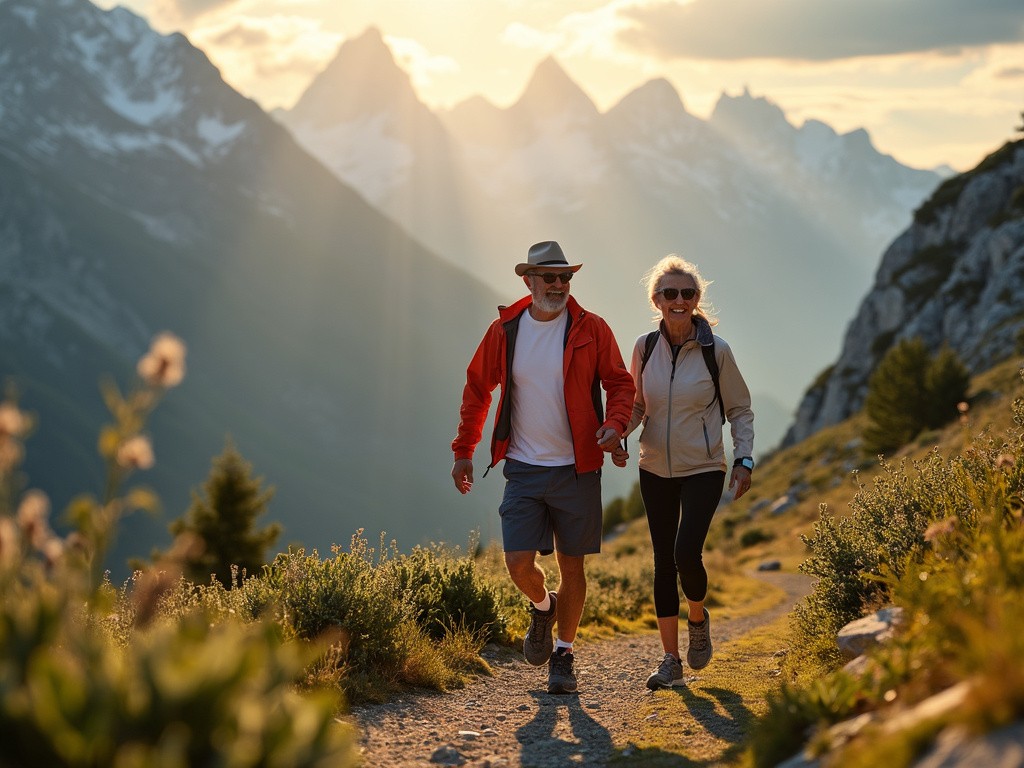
x=224, y=521
x=896, y=403
x=911, y=391
x=946, y=382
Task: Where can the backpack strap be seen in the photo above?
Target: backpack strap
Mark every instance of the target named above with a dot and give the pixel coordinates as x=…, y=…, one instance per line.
x=709, y=360
x=649, y=342
x=712, y=364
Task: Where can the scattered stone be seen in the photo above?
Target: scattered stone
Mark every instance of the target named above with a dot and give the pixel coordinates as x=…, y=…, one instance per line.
x=469, y=735
x=860, y=635
x=932, y=708
x=770, y=565
x=488, y=732
x=447, y=755
x=653, y=716
x=781, y=504
x=957, y=748
x=495, y=762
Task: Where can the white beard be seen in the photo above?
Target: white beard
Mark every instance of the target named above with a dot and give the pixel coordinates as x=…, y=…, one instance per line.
x=549, y=303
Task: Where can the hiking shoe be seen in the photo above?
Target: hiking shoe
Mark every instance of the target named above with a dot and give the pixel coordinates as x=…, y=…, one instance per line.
x=561, y=678
x=538, y=643
x=668, y=673
x=698, y=654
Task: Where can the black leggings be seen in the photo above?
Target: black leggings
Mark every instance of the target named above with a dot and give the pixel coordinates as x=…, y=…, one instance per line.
x=679, y=512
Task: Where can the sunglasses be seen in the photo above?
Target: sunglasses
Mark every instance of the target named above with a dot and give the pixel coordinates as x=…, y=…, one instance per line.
x=549, y=277
x=671, y=293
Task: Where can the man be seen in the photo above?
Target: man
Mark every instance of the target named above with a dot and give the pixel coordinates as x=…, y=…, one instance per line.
x=551, y=358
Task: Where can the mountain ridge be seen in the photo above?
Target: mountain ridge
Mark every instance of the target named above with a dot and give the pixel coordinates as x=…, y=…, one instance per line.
x=953, y=277
x=310, y=317
x=624, y=187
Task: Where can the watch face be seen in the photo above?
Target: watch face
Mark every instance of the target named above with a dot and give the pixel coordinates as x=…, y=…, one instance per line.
x=748, y=463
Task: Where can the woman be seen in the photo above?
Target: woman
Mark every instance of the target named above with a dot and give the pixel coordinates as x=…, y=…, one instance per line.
x=682, y=456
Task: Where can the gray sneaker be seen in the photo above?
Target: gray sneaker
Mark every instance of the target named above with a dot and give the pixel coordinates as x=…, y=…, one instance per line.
x=668, y=673
x=561, y=678
x=538, y=643
x=698, y=654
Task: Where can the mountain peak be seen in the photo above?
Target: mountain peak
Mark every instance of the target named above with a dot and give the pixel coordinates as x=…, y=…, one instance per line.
x=363, y=77
x=657, y=95
x=551, y=91
x=749, y=112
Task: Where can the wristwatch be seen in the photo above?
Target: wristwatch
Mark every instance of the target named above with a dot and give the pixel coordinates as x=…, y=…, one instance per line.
x=745, y=462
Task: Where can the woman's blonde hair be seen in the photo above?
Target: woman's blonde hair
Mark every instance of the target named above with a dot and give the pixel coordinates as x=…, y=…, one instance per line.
x=674, y=264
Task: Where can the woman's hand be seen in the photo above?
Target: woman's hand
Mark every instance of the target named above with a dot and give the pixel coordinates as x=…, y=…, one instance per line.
x=739, y=482
x=619, y=456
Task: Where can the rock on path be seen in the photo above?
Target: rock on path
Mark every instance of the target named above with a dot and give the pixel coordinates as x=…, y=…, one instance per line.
x=510, y=721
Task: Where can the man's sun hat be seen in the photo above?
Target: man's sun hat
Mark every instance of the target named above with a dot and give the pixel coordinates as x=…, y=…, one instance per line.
x=548, y=256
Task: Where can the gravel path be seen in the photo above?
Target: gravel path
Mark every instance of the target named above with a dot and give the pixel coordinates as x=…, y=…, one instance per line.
x=509, y=720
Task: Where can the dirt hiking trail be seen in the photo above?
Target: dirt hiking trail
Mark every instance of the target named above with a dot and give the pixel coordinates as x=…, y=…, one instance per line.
x=510, y=721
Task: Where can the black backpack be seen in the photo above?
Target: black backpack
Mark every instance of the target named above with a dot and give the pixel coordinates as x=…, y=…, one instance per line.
x=709, y=361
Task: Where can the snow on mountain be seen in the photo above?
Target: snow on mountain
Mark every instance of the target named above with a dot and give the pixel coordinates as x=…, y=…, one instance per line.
x=141, y=193
x=744, y=192
x=144, y=80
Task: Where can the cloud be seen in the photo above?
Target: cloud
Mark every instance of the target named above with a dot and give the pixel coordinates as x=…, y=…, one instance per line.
x=523, y=36
x=812, y=30
x=420, y=63
x=1010, y=73
x=188, y=10
x=270, y=58
x=583, y=33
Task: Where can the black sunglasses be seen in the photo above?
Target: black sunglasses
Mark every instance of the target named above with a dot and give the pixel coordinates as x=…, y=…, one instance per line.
x=671, y=293
x=549, y=277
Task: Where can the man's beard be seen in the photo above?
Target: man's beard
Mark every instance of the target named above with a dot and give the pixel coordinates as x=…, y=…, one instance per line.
x=549, y=303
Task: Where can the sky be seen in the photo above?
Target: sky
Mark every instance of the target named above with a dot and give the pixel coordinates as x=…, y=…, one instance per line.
x=935, y=82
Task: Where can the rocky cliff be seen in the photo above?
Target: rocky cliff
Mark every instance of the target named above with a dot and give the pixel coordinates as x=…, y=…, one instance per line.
x=955, y=277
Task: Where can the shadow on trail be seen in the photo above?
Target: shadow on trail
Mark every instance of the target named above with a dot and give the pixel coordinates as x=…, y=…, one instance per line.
x=732, y=725
x=587, y=742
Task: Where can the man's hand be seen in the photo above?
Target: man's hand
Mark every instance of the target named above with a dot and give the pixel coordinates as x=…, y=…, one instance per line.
x=462, y=474
x=608, y=438
x=739, y=482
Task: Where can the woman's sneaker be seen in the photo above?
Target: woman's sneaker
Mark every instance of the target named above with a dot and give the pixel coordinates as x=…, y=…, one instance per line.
x=698, y=654
x=538, y=643
x=561, y=678
x=668, y=673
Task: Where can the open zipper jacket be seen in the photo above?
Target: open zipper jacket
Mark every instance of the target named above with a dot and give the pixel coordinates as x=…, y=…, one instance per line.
x=676, y=404
x=591, y=362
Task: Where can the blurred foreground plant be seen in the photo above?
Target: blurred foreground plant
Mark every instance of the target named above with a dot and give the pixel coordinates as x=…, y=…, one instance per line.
x=947, y=545
x=162, y=694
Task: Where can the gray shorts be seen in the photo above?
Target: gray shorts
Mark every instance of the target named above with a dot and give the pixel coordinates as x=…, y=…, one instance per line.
x=548, y=508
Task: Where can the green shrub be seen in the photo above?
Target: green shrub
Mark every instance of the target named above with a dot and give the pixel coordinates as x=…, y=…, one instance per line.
x=754, y=536
x=90, y=676
x=954, y=560
x=447, y=591
x=623, y=510
x=344, y=597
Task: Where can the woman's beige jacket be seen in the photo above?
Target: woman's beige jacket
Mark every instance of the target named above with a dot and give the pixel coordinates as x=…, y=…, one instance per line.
x=675, y=403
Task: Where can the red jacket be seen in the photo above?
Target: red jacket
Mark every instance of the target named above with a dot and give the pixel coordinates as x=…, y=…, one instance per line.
x=591, y=361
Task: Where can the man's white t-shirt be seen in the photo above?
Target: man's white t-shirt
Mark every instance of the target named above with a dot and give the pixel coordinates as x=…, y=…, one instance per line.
x=540, y=425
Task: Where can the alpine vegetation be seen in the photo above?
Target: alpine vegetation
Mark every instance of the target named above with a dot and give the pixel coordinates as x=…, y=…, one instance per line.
x=93, y=677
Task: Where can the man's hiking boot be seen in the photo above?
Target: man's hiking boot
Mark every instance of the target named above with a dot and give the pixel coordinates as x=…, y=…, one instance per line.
x=538, y=643
x=668, y=673
x=561, y=678
x=698, y=654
